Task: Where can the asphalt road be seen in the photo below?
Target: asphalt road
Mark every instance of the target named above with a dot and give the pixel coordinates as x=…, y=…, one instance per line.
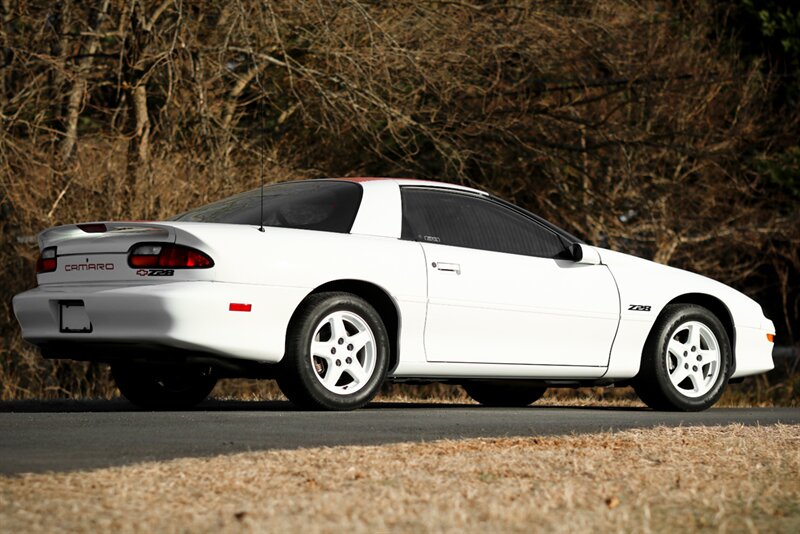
x=61, y=436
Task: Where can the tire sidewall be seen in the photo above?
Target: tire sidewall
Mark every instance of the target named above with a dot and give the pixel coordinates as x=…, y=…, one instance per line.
x=667, y=329
x=302, y=366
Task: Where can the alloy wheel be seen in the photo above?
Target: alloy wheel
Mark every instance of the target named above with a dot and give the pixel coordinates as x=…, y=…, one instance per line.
x=343, y=352
x=693, y=359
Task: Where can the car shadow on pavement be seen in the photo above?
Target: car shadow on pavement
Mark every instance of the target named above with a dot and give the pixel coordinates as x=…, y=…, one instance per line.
x=121, y=405
x=443, y=406
x=213, y=405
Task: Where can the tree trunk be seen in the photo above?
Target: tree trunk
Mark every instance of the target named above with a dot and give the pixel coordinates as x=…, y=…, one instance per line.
x=139, y=36
x=79, y=86
x=141, y=136
x=62, y=9
x=6, y=42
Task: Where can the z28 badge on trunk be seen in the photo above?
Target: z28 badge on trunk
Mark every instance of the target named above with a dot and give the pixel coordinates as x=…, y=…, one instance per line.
x=155, y=272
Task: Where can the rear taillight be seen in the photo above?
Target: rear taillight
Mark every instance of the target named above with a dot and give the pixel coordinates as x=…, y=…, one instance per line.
x=156, y=255
x=47, y=262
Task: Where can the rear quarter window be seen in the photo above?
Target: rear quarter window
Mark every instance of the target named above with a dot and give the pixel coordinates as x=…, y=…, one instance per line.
x=324, y=205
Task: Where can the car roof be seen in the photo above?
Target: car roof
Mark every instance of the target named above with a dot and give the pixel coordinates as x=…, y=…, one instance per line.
x=365, y=182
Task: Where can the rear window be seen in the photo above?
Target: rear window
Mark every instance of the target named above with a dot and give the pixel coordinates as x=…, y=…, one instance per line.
x=308, y=205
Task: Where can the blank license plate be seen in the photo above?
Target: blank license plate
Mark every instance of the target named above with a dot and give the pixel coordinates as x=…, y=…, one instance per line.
x=74, y=318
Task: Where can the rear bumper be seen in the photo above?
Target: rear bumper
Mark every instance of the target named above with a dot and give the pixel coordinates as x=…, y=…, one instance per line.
x=192, y=316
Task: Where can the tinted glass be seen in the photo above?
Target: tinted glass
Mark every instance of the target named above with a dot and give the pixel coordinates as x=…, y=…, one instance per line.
x=464, y=220
x=310, y=205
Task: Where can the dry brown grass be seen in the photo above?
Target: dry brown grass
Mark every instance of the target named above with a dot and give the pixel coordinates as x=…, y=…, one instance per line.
x=731, y=478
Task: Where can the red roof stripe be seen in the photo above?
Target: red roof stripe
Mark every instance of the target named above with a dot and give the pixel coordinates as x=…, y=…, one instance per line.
x=371, y=178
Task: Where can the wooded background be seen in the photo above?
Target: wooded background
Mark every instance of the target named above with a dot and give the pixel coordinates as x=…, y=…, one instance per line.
x=665, y=129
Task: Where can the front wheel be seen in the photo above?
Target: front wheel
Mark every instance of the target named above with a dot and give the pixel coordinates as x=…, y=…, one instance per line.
x=686, y=360
x=337, y=353
x=162, y=387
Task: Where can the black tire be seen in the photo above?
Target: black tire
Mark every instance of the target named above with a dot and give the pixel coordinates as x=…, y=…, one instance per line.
x=503, y=393
x=301, y=375
x=163, y=387
x=653, y=384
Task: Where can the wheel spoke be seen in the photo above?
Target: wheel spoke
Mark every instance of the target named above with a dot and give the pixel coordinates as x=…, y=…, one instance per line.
x=338, y=330
x=357, y=372
x=679, y=375
x=332, y=376
x=697, y=380
x=358, y=341
x=694, y=335
x=321, y=349
x=710, y=355
x=676, y=348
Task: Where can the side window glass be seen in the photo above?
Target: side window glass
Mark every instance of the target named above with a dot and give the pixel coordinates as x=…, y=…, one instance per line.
x=468, y=221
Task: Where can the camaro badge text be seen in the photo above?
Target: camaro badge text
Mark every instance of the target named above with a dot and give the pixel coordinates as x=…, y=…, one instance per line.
x=89, y=267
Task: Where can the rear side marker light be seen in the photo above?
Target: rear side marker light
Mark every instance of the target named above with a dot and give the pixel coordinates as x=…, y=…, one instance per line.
x=235, y=306
x=47, y=262
x=771, y=338
x=167, y=256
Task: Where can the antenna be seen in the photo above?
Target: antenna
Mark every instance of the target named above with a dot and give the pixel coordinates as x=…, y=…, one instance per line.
x=261, y=174
x=259, y=110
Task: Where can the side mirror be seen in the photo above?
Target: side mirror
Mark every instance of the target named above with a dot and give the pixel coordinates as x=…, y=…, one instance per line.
x=584, y=254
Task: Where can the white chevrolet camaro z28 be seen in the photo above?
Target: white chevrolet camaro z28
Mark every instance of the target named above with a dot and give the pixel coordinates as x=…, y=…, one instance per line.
x=334, y=286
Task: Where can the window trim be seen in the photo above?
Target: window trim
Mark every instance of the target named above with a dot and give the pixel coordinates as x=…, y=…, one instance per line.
x=563, y=236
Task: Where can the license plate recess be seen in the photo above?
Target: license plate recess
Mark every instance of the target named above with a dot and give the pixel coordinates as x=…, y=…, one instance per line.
x=73, y=317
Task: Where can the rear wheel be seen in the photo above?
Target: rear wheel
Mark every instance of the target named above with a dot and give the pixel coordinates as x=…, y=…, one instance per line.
x=337, y=353
x=686, y=360
x=503, y=394
x=163, y=388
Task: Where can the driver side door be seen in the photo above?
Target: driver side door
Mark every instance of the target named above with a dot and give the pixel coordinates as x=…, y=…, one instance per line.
x=501, y=289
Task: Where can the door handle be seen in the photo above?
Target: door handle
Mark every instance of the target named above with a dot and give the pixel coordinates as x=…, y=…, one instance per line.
x=447, y=267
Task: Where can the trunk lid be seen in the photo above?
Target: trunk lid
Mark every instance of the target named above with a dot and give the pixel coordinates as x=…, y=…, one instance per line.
x=98, y=252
